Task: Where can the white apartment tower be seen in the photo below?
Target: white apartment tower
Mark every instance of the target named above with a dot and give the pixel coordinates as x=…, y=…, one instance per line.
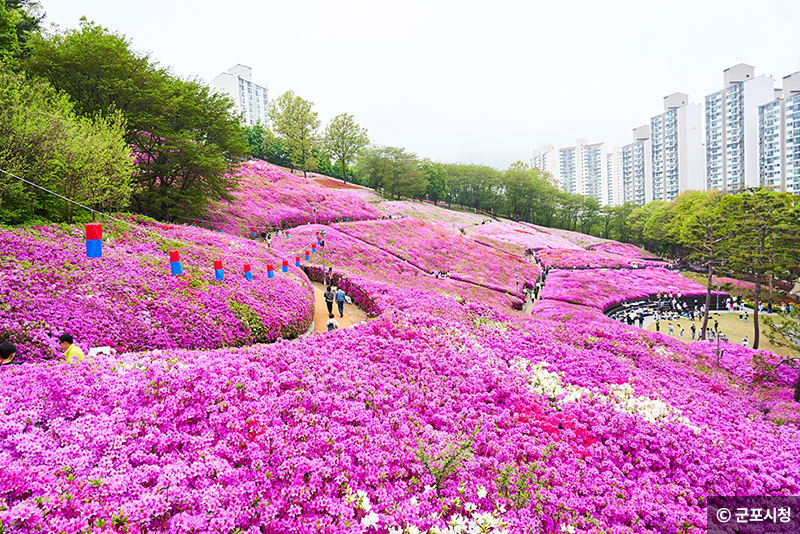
x=637, y=168
x=582, y=170
x=546, y=159
x=614, y=177
x=252, y=101
x=677, y=148
x=732, y=143
x=779, y=138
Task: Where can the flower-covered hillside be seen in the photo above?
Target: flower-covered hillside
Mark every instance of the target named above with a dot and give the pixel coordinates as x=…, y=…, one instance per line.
x=444, y=413
x=432, y=248
x=544, y=426
x=129, y=300
x=269, y=198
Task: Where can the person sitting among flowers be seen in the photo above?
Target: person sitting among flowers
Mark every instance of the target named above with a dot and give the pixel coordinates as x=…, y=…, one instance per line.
x=71, y=350
x=8, y=351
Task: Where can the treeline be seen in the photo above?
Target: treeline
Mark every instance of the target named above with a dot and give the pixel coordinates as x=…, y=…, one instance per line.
x=86, y=116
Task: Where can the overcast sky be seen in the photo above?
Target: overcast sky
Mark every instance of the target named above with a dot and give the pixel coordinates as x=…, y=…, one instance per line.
x=460, y=80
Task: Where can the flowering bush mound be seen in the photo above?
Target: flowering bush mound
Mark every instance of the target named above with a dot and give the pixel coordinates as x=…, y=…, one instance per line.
x=372, y=270
x=594, y=259
x=624, y=249
x=431, y=248
x=603, y=288
x=517, y=238
x=129, y=300
x=431, y=213
x=269, y=197
x=582, y=240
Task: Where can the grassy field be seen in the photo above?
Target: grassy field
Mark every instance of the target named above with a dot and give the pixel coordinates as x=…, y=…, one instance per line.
x=730, y=325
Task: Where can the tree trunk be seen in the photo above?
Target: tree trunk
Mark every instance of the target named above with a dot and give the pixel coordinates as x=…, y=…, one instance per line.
x=756, y=298
x=797, y=389
x=704, y=328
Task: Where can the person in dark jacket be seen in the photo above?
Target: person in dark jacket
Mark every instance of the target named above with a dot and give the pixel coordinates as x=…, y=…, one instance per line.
x=329, y=297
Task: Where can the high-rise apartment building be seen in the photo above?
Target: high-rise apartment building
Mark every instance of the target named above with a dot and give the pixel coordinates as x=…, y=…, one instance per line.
x=546, y=159
x=732, y=143
x=582, y=170
x=637, y=168
x=779, y=138
x=614, y=177
x=677, y=148
x=252, y=101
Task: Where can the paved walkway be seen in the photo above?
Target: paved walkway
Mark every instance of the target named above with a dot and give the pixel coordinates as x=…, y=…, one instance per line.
x=352, y=313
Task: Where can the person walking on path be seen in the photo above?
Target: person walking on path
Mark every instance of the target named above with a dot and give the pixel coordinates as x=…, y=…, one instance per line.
x=340, y=299
x=71, y=350
x=694, y=331
x=329, y=297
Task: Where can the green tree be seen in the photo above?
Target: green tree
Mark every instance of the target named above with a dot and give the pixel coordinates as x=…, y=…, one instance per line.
x=391, y=169
x=766, y=239
x=44, y=141
x=436, y=173
x=9, y=44
x=343, y=139
x=296, y=123
x=255, y=137
x=707, y=232
x=186, y=138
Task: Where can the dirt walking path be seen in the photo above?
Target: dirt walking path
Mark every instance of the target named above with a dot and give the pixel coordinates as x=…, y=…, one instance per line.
x=352, y=313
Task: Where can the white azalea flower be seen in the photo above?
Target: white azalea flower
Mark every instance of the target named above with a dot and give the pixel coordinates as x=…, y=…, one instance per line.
x=481, y=492
x=370, y=520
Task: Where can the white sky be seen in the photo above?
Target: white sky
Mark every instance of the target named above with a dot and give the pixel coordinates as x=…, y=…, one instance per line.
x=462, y=80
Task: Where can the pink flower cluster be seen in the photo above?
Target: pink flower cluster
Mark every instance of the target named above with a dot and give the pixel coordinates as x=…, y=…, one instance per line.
x=269, y=198
x=432, y=249
x=518, y=238
x=582, y=240
x=741, y=284
x=624, y=249
x=430, y=213
x=594, y=259
x=604, y=288
x=129, y=300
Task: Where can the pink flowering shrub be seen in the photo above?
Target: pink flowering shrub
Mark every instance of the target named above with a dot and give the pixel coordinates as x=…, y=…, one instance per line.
x=624, y=249
x=595, y=259
x=128, y=299
x=518, y=238
x=269, y=197
x=431, y=213
x=740, y=284
x=582, y=240
x=431, y=248
x=603, y=288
